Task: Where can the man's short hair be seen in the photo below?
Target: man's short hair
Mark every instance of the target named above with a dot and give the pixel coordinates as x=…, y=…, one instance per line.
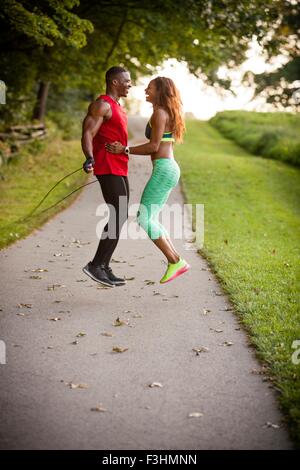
x=112, y=73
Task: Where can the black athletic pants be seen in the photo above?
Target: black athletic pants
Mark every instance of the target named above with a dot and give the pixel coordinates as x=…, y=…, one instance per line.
x=112, y=186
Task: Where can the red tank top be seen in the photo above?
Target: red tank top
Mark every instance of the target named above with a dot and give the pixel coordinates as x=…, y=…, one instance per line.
x=113, y=129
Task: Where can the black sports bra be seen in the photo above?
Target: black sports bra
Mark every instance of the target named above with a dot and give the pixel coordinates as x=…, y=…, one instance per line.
x=167, y=136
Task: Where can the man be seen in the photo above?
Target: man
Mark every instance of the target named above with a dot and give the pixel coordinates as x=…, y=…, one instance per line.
x=106, y=121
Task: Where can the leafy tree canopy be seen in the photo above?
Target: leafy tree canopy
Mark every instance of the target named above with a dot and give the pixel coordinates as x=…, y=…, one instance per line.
x=71, y=43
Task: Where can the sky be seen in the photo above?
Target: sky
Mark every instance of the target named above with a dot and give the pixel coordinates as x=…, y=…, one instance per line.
x=202, y=100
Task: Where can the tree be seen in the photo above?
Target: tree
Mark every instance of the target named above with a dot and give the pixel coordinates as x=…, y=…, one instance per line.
x=280, y=86
x=71, y=43
x=281, y=36
x=28, y=29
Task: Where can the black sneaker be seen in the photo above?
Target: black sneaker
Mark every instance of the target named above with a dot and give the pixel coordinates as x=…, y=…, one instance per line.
x=118, y=281
x=98, y=274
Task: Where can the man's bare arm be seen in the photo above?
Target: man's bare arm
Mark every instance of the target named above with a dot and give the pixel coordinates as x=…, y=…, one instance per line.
x=97, y=112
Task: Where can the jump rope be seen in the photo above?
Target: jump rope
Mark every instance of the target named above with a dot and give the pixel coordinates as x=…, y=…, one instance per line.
x=31, y=213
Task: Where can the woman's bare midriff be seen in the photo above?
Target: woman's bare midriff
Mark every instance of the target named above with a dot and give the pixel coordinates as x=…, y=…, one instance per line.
x=165, y=150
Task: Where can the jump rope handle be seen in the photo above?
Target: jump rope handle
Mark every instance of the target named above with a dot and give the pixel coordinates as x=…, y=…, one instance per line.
x=88, y=164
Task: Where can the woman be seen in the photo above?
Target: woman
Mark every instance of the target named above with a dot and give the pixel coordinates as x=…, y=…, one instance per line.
x=164, y=127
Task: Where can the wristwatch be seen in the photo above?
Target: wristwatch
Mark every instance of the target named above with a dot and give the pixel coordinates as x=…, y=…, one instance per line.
x=127, y=150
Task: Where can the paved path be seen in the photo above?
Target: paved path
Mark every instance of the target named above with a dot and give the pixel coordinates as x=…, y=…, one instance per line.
x=39, y=410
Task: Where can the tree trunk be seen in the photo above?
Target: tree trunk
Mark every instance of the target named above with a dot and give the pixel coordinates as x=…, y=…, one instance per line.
x=40, y=106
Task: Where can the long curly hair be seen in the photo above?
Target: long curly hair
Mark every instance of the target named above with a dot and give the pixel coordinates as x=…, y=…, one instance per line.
x=168, y=97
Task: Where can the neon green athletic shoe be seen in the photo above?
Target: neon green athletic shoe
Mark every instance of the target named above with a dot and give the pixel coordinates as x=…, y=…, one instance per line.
x=174, y=270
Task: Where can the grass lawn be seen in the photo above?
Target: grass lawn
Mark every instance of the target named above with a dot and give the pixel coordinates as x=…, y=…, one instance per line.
x=272, y=135
x=252, y=242
x=25, y=181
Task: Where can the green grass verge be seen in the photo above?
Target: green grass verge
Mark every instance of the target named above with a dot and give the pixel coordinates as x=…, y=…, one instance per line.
x=26, y=180
x=272, y=135
x=252, y=242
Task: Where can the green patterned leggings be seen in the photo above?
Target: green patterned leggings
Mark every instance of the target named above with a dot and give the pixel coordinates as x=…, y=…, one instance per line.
x=164, y=178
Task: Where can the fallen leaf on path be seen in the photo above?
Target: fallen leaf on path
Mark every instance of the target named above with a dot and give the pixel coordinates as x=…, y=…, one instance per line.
x=119, y=322
x=268, y=424
x=57, y=301
x=24, y=305
x=99, y=409
x=149, y=282
x=118, y=349
x=106, y=333
x=200, y=349
x=35, y=277
x=54, y=319
x=73, y=386
x=54, y=286
x=155, y=384
x=117, y=261
x=38, y=270
x=195, y=414
x=206, y=311
x=227, y=343
x=129, y=278
x=80, y=334
x=21, y=314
